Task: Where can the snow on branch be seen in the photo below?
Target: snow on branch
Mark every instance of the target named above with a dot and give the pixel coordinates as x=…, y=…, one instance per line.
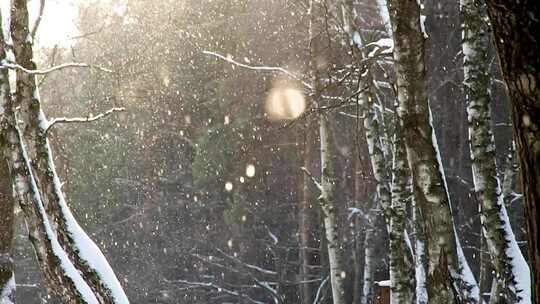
x=313, y=179
x=259, y=68
x=89, y=118
x=15, y=66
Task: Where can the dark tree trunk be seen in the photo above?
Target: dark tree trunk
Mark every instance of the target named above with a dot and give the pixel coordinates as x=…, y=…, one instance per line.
x=6, y=233
x=515, y=27
x=307, y=221
x=6, y=200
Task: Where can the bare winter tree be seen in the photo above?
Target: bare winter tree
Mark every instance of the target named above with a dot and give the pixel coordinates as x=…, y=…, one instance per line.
x=327, y=183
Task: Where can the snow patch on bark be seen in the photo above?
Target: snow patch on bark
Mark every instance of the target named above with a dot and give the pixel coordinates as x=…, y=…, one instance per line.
x=87, y=249
x=8, y=290
x=65, y=263
x=520, y=268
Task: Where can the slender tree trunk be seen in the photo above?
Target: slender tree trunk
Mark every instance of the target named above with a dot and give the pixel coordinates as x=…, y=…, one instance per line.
x=511, y=271
x=449, y=278
x=326, y=200
x=368, y=288
x=515, y=27
x=307, y=289
x=401, y=260
x=327, y=183
x=420, y=261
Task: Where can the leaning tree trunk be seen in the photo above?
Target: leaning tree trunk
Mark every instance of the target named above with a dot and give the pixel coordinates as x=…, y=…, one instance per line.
x=511, y=271
x=63, y=279
x=515, y=27
x=449, y=278
x=44, y=184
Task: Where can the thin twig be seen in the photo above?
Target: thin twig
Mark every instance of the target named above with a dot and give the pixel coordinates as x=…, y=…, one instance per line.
x=319, y=290
x=259, y=68
x=54, y=68
x=89, y=118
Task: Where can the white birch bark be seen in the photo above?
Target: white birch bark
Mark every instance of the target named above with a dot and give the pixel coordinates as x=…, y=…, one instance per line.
x=448, y=277
x=512, y=275
x=369, y=269
x=326, y=200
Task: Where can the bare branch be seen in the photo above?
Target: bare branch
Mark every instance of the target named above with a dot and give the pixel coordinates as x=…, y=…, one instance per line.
x=89, y=118
x=38, y=19
x=259, y=68
x=218, y=288
x=315, y=181
x=319, y=290
x=15, y=66
x=247, y=265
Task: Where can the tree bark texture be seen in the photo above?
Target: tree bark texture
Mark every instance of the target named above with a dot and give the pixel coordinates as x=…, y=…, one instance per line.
x=402, y=277
x=7, y=203
x=449, y=278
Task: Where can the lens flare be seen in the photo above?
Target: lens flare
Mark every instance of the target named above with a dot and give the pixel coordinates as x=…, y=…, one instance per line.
x=285, y=101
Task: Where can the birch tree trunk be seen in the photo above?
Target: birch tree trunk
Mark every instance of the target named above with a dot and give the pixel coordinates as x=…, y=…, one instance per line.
x=511, y=271
x=517, y=38
x=401, y=261
x=420, y=261
x=368, y=288
x=326, y=200
x=449, y=278
x=62, y=277
x=327, y=183
x=43, y=186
